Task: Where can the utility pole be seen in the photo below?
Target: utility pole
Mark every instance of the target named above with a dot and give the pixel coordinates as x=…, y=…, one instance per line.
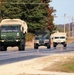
x=72, y=25
x=69, y=29
x=64, y=22
x=69, y=18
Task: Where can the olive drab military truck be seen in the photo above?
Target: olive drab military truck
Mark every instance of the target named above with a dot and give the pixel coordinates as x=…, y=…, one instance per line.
x=12, y=33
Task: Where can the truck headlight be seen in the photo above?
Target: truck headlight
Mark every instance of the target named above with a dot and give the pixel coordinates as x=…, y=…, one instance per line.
x=36, y=41
x=17, y=34
x=17, y=40
x=2, y=40
x=46, y=40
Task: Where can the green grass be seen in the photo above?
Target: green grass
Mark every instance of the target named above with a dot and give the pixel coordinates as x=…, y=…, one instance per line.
x=69, y=66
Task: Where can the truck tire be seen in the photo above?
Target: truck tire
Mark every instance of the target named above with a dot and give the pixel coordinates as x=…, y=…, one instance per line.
x=3, y=48
x=35, y=46
x=21, y=46
x=65, y=45
x=54, y=45
x=48, y=46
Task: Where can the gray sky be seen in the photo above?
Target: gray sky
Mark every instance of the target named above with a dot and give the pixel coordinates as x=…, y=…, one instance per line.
x=63, y=7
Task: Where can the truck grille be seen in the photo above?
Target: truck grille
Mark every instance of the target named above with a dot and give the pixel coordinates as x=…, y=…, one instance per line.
x=41, y=41
x=9, y=39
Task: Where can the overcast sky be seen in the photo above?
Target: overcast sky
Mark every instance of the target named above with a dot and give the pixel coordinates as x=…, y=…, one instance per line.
x=63, y=7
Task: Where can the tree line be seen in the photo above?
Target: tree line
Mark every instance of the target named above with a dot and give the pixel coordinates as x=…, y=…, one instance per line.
x=37, y=13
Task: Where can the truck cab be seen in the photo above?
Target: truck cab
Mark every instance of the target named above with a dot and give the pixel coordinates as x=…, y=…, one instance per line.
x=11, y=34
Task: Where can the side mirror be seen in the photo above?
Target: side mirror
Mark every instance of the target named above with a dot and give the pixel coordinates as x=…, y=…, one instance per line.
x=22, y=28
x=52, y=38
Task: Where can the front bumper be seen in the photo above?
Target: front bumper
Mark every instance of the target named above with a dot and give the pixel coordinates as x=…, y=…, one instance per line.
x=9, y=43
x=41, y=44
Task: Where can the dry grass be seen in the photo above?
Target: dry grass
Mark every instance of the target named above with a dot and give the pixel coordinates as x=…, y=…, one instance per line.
x=70, y=39
x=33, y=74
x=62, y=66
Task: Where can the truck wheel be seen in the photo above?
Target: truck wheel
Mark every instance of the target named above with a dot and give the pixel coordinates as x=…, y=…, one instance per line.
x=65, y=45
x=35, y=46
x=48, y=46
x=21, y=47
x=5, y=48
x=1, y=48
x=54, y=45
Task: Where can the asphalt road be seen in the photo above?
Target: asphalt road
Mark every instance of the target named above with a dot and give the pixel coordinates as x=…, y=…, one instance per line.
x=12, y=56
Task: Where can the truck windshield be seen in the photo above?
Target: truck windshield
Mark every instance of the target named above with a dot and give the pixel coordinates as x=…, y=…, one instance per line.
x=56, y=37
x=36, y=38
x=9, y=28
x=62, y=37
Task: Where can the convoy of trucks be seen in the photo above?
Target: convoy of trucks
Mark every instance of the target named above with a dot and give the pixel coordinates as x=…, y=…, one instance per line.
x=44, y=39
x=12, y=33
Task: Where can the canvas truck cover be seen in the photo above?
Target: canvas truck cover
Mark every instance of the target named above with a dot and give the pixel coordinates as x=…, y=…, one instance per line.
x=58, y=34
x=14, y=22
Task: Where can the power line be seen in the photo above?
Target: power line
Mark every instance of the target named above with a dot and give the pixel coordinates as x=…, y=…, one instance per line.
x=20, y=3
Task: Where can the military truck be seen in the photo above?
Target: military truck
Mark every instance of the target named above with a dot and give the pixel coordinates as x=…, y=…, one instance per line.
x=42, y=39
x=12, y=33
x=59, y=38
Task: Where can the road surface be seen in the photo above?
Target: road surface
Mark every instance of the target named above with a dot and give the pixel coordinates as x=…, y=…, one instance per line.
x=12, y=56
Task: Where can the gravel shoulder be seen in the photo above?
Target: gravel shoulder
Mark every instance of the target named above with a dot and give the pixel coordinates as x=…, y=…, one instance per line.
x=35, y=66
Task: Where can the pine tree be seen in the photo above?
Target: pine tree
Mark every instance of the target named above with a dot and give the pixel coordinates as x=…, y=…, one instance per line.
x=34, y=12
